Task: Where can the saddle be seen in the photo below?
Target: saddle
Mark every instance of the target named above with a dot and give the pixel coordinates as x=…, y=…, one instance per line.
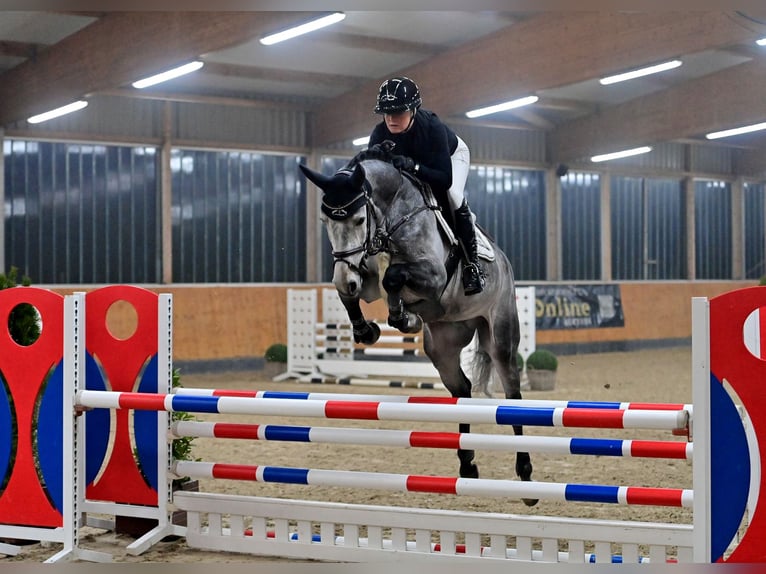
x=484, y=245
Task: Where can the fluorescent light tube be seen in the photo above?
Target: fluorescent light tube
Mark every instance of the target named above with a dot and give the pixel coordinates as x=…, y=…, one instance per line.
x=302, y=29
x=619, y=154
x=518, y=103
x=641, y=72
x=761, y=42
x=63, y=110
x=736, y=131
x=169, y=75
x=361, y=141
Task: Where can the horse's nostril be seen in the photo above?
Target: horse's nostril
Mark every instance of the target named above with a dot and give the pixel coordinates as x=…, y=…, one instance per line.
x=352, y=287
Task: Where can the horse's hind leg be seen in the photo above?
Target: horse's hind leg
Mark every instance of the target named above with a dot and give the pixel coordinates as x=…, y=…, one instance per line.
x=442, y=343
x=502, y=347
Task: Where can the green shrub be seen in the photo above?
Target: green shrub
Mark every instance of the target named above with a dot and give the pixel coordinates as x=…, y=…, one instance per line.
x=181, y=448
x=763, y=281
x=23, y=322
x=542, y=360
x=276, y=353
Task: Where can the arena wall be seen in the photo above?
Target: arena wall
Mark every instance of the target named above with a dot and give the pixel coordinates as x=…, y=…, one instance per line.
x=231, y=326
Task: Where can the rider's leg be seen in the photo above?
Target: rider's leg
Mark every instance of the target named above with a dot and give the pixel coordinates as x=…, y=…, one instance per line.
x=473, y=279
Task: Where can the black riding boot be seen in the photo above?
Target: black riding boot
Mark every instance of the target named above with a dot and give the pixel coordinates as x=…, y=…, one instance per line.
x=473, y=278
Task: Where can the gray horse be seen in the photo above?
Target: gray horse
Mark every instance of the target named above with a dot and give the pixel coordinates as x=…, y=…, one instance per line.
x=387, y=239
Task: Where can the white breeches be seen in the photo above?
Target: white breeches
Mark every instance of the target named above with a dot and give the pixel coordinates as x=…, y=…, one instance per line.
x=461, y=162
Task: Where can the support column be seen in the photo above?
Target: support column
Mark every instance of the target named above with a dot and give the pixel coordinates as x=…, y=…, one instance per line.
x=738, y=229
x=691, y=249
x=166, y=219
x=552, y=225
x=606, y=226
x=2, y=201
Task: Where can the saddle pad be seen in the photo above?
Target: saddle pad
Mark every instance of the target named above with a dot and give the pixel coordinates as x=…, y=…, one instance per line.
x=483, y=246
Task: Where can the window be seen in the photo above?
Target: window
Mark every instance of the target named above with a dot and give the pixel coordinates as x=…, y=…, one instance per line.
x=581, y=226
x=755, y=230
x=510, y=205
x=648, y=228
x=712, y=227
x=82, y=213
x=237, y=217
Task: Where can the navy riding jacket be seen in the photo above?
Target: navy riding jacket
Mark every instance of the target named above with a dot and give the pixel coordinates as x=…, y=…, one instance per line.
x=430, y=143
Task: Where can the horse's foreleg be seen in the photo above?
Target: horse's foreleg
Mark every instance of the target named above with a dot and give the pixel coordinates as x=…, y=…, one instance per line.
x=394, y=280
x=365, y=332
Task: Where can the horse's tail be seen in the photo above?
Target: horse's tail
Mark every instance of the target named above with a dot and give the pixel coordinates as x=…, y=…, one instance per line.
x=480, y=369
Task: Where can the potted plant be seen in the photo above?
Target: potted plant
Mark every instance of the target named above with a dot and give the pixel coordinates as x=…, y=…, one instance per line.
x=541, y=370
x=276, y=360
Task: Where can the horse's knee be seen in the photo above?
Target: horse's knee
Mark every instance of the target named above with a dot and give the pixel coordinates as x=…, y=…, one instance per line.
x=395, y=278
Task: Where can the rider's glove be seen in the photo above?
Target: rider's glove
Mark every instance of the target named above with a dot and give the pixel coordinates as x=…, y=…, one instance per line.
x=403, y=163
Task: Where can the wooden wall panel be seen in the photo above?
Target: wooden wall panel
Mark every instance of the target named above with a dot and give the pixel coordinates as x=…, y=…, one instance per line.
x=230, y=322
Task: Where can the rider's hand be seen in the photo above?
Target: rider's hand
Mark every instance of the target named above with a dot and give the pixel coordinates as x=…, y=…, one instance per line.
x=403, y=163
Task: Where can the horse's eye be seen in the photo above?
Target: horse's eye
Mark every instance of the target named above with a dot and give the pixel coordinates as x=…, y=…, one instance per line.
x=360, y=220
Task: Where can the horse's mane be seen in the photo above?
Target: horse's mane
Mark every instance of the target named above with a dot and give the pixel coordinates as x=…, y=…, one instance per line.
x=381, y=151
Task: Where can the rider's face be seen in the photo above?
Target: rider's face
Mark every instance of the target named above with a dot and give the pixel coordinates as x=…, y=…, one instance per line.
x=398, y=122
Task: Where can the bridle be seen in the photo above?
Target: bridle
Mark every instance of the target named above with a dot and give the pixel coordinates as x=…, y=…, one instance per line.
x=379, y=241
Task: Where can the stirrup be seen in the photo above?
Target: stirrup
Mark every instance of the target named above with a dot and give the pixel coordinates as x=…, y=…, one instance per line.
x=473, y=279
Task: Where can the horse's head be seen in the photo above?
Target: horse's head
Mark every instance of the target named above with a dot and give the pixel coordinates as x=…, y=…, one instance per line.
x=346, y=216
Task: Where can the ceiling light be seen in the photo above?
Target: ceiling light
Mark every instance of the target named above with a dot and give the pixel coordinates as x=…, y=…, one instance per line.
x=641, y=72
x=63, y=110
x=619, y=154
x=169, y=75
x=761, y=42
x=736, y=131
x=502, y=107
x=361, y=141
x=302, y=29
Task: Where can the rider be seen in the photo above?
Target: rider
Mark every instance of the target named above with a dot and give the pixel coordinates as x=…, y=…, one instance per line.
x=434, y=153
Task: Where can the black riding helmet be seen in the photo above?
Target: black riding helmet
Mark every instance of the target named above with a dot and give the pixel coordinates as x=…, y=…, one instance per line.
x=396, y=95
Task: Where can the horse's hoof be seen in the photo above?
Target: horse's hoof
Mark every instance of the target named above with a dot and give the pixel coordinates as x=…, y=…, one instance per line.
x=524, y=470
x=530, y=501
x=368, y=335
x=399, y=321
x=469, y=471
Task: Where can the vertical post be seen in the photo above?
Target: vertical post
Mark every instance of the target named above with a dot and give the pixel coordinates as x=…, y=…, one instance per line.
x=2, y=199
x=166, y=178
x=700, y=431
x=552, y=226
x=164, y=385
x=691, y=241
x=606, y=226
x=738, y=229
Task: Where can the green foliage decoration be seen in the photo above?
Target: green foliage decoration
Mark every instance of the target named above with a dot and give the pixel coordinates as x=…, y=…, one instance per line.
x=276, y=353
x=181, y=448
x=23, y=322
x=542, y=360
